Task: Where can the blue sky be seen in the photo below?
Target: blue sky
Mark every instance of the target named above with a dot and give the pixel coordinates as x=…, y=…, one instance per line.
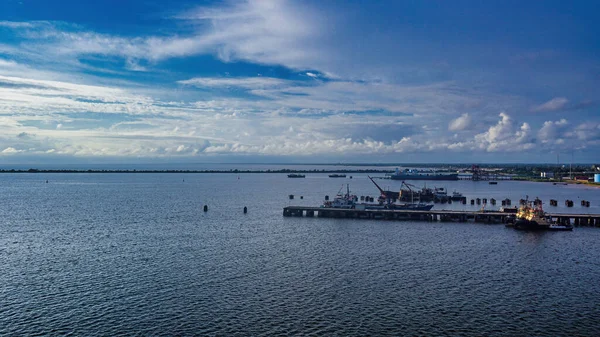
x=294, y=81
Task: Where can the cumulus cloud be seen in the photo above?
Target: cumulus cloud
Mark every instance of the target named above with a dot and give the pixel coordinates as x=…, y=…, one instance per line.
x=325, y=118
x=10, y=150
x=557, y=103
x=553, y=131
x=588, y=132
x=501, y=131
x=317, y=112
x=505, y=136
x=460, y=123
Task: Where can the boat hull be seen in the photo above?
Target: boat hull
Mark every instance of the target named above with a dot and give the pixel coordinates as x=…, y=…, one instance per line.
x=410, y=207
x=560, y=228
x=531, y=225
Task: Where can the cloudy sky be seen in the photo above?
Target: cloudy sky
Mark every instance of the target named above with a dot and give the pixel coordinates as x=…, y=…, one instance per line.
x=294, y=81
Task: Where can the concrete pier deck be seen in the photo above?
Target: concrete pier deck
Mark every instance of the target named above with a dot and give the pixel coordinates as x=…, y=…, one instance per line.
x=432, y=215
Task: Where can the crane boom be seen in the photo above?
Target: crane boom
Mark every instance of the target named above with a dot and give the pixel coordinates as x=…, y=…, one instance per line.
x=385, y=194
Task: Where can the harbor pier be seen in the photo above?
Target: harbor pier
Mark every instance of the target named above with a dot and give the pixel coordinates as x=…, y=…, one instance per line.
x=585, y=220
x=391, y=214
x=432, y=215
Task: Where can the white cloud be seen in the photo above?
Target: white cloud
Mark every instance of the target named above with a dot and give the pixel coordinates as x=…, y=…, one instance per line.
x=28, y=96
x=505, y=136
x=201, y=133
x=10, y=150
x=557, y=103
x=7, y=64
x=345, y=113
x=325, y=118
x=589, y=133
x=460, y=123
x=261, y=31
x=553, y=131
x=244, y=82
x=15, y=25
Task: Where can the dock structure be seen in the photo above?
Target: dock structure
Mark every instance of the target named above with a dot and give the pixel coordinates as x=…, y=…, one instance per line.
x=576, y=219
x=432, y=215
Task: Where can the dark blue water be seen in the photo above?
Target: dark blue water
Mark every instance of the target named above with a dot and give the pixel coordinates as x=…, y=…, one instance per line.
x=134, y=254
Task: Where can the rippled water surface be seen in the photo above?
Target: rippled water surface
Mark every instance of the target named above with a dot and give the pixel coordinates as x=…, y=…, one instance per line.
x=134, y=254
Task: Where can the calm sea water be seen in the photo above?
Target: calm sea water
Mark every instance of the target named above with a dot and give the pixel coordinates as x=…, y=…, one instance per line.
x=134, y=254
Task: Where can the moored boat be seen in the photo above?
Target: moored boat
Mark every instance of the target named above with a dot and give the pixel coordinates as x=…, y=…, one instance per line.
x=440, y=193
x=409, y=207
x=390, y=203
x=531, y=216
x=342, y=200
x=457, y=196
x=350, y=201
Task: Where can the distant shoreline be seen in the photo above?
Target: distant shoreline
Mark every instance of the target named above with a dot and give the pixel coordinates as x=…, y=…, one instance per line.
x=268, y=171
x=235, y=171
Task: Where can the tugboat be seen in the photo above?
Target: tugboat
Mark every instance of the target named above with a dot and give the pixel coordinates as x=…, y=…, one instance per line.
x=532, y=217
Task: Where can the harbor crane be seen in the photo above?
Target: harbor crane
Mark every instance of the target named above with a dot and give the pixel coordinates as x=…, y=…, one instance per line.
x=388, y=195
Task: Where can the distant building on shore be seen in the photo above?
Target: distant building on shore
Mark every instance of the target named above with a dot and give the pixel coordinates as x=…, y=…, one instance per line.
x=548, y=175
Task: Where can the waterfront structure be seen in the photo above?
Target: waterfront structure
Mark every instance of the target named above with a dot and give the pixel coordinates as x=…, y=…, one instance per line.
x=435, y=215
x=414, y=174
